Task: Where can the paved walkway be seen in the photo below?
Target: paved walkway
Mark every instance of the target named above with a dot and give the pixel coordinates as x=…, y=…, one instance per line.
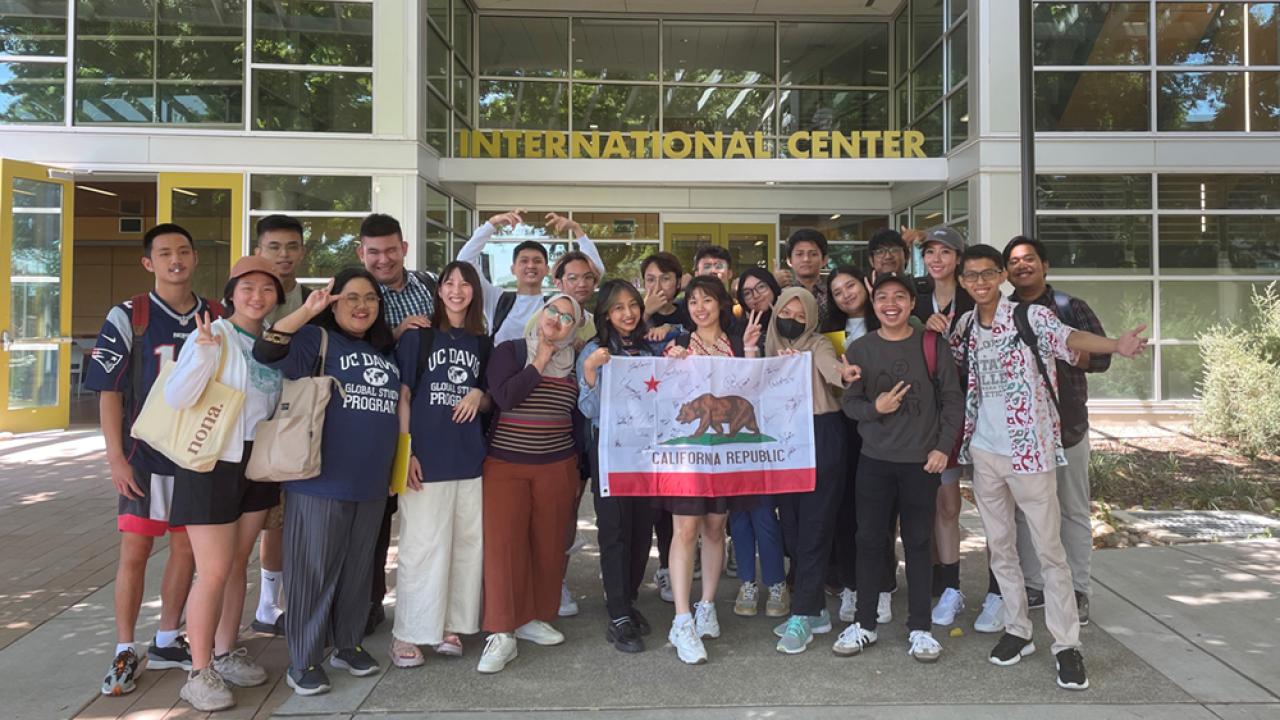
x=1187, y=632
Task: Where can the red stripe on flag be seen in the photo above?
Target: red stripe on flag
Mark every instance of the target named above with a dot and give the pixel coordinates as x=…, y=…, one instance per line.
x=726, y=484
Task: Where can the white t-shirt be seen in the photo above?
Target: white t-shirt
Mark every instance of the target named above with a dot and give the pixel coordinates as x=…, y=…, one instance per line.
x=991, y=432
x=854, y=328
x=525, y=307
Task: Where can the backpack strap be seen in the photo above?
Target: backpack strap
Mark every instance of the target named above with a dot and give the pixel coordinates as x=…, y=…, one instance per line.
x=318, y=370
x=486, y=349
x=506, y=301
x=929, y=339
x=1028, y=337
x=429, y=281
x=1062, y=304
x=426, y=343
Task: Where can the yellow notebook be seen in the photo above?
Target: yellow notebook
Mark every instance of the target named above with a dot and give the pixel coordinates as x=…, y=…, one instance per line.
x=400, y=468
x=837, y=340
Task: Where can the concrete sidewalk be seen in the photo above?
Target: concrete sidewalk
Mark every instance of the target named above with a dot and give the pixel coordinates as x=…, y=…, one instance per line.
x=1186, y=632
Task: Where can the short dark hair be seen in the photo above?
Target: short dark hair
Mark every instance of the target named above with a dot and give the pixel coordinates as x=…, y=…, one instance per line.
x=164, y=229
x=610, y=293
x=278, y=222
x=1017, y=240
x=569, y=257
x=529, y=245
x=380, y=225
x=473, y=323
x=379, y=334
x=666, y=262
x=712, y=251
x=808, y=235
x=982, y=252
x=763, y=276
x=886, y=236
x=713, y=287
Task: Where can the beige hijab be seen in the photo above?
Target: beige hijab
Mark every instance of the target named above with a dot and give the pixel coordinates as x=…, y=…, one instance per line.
x=562, y=360
x=826, y=370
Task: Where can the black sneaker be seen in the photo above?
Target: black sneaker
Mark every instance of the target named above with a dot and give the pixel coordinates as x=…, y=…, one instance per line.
x=276, y=628
x=623, y=635
x=356, y=661
x=1010, y=650
x=120, y=678
x=311, y=680
x=377, y=616
x=1082, y=608
x=1035, y=598
x=169, y=658
x=1071, y=670
x=641, y=622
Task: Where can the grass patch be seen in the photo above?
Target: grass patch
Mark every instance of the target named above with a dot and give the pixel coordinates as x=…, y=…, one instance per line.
x=1182, y=473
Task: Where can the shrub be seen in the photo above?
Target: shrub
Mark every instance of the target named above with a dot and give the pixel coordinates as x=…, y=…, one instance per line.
x=1240, y=390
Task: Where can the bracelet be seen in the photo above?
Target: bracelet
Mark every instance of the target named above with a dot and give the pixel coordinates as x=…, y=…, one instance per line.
x=276, y=336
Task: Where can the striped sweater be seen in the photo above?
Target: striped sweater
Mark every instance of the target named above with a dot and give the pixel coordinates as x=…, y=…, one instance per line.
x=535, y=421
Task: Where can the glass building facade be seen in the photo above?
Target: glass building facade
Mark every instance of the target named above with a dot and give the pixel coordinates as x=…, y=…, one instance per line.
x=1156, y=122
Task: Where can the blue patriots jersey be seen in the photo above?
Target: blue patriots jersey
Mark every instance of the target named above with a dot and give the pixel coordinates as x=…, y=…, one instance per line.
x=109, y=365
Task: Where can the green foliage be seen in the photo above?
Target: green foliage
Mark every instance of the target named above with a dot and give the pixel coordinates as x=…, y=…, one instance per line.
x=1240, y=392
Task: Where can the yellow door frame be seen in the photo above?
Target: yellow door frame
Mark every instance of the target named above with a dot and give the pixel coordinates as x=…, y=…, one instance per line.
x=59, y=414
x=719, y=233
x=233, y=182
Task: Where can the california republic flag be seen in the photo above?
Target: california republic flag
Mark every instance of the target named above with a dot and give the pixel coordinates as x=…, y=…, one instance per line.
x=706, y=427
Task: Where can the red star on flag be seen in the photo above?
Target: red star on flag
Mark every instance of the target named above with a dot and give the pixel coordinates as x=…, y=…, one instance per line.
x=651, y=384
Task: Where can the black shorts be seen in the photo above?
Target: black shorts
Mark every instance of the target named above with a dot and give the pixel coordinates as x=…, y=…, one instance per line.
x=221, y=495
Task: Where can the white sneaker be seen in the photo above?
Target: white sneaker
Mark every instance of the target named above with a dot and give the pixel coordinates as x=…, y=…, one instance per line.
x=499, y=650
x=705, y=620
x=207, y=691
x=884, y=609
x=568, y=606
x=688, y=645
x=662, y=579
x=848, y=604
x=238, y=670
x=539, y=633
x=951, y=603
x=853, y=640
x=991, y=619
x=924, y=647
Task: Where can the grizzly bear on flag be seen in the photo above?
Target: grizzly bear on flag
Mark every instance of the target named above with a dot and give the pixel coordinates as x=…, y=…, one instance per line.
x=713, y=412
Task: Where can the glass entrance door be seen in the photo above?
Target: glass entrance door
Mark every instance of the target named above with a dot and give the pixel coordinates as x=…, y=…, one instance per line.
x=211, y=207
x=36, y=213
x=749, y=244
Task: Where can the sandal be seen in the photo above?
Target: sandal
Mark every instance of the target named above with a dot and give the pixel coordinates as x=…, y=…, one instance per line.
x=451, y=646
x=405, y=655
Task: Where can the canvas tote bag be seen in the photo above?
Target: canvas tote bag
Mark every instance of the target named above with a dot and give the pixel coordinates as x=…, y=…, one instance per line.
x=193, y=437
x=287, y=447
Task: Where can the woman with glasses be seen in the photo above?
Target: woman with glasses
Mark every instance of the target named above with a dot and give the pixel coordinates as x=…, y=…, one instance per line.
x=331, y=521
x=530, y=480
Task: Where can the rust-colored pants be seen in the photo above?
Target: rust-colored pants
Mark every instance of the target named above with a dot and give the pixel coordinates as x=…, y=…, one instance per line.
x=526, y=509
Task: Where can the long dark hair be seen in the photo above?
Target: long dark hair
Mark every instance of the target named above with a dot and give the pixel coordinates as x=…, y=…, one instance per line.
x=379, y=334
x=473, y=323
x=712, y=286
x=836, y=317
x=607, y=296
x=763, y=276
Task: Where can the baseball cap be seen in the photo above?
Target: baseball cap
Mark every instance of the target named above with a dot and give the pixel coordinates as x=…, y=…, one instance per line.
x=255, y=264
x=905, y=281
x=947, y=236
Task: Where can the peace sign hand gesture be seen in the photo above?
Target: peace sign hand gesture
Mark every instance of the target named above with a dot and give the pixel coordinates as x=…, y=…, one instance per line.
x=889, y=401
x=204, y=330
x=751, y=336
x=848, y=371
x=318, y=300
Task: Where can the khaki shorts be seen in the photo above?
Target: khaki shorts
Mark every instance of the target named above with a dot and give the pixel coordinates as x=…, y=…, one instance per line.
x=275, y=516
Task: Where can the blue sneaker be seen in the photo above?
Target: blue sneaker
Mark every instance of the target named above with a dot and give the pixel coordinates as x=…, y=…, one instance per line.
x=796, y=637
x=817, y=625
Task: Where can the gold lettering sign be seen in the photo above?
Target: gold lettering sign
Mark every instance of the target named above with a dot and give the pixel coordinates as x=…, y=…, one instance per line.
x=808, y=144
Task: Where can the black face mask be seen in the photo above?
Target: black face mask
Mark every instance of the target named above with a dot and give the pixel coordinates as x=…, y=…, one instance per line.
x=790, y=329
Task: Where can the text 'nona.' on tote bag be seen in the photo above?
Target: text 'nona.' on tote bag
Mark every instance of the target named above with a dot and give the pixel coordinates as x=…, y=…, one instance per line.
x=193, y=437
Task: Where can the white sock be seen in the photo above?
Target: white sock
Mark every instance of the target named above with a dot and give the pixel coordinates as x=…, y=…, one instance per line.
x=121, y=647
x=268, y=597
x=682, y=619
x=167, y=638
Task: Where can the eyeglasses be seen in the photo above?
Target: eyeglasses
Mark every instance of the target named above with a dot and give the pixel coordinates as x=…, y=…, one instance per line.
x=886, y=251
x=562, y=318
x=354, y=299
x=757, y=290
x=985, y=276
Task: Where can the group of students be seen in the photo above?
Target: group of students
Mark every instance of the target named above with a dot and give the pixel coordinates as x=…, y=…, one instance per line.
x=499, y=393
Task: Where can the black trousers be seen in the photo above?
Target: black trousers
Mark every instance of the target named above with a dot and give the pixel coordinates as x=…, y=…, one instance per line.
x=879, y=485
x=663, y=529
x=624, y=526
x=809, y=519
x=845, y=543
x=378, y=591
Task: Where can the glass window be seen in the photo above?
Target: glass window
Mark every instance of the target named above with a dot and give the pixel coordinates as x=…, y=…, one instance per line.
x=462, y=91
x=524, y=47
x=958, y=201
x=1120, y=306
x=903, y=95
x=1080, y=33
x=842, y=110
x=619, y=225
x=1092, y=101
x=433, y=250
x=1187, y=308
x=285, y=193
x=33, y=27
x=462, y=224
x=438, y=13
x=1219, y=192
x=437, y=204
x=902, y=42
x=834, y=53
x=1181, y=370
x=958, y=8
x=1093, y=192
x=462, y=24
x=705, y=52
x=330, y=243
x=1126, y=380
x=304, y=101
x=615, y=107
x=1220, y=244
x=1264, y=103
x=511, y=104
x=302, y=32
x=437, y=123
x=1097, y=244
x=1199, y=33
x=623, y=259
x=928, y=213
x=438, y=60
x=926, y=81
x=958, y=55
x=1264, y=33
x=709, y=109
x=958, y=114
x=1203, y=101
x=926, y=25
x=32, y=92
x=610, y=49
x=931, y=126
